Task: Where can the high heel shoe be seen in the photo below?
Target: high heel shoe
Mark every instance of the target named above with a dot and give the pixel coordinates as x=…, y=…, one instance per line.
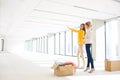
x=86, y=69
x=91, y=70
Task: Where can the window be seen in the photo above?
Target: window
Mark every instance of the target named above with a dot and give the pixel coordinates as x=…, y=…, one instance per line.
x=41, y=44
x=57, y=43
x=29, y=45
x=46, y=44
x=100, y=44
x=62, y=43
x=112, y=39
x=68, y=43
x=38, y=45
x=75, y=44
x=1, y=44
x=34, y=44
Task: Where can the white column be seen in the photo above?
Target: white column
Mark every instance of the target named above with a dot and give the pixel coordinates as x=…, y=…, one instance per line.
x=119, y=37
x=96, y=24
x=1, y=42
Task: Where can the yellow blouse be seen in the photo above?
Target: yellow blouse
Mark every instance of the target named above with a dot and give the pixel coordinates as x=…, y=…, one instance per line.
x=80, y=35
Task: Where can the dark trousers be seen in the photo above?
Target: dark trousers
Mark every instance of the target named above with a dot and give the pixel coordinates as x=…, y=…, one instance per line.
x=89, y=55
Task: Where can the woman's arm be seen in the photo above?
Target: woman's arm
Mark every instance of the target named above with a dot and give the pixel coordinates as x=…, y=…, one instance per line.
x=72, y=29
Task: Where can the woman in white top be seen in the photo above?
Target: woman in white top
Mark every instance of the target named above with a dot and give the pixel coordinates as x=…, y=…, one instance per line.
x=88, y=45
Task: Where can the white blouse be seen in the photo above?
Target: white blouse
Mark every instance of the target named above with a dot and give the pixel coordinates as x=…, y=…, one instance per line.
x=88, y=36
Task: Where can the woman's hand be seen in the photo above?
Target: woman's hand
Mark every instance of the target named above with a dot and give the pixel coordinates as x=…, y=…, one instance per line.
x=84, y=40
x=68, y=27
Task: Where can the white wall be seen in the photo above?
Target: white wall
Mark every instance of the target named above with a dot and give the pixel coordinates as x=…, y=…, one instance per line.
x=14, y=44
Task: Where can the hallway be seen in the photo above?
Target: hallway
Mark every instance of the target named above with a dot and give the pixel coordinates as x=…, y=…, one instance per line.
x=34, y=34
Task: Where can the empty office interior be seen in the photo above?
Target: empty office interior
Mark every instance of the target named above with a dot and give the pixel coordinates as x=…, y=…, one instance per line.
x=34, y=35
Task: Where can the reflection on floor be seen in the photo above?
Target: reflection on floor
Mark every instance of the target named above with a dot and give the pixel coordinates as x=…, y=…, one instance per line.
x=29, y=66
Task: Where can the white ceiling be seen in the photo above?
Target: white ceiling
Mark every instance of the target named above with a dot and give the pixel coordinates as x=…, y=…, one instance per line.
x=36, y=17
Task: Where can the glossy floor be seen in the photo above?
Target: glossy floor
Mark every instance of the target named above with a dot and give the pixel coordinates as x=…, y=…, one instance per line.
x=38, y=67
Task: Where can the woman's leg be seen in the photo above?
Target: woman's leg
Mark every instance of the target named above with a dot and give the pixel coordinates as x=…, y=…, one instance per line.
x=78, y=55
x=88, y=54
x=92, y=63
x=90, y=59
x=82, y=55
x=87, y=47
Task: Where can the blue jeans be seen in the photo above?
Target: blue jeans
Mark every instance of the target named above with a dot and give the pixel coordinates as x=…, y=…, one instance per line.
x=89, y=55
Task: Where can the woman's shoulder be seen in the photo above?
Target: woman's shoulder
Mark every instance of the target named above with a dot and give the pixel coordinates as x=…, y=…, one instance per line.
x=82, y=31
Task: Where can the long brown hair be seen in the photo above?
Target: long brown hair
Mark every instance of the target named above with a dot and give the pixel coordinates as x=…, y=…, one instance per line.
x=83, y=28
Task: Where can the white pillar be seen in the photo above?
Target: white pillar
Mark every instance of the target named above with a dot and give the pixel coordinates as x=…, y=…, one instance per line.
x=95, y=25
x=119, y=38
x=1, y=42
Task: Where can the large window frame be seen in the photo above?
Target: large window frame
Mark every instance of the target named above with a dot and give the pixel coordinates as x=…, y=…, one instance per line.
x=57, y=43
x=69, y=43
x=62, y=43
x=29, y=45
x=75, y=44
x=112, y=37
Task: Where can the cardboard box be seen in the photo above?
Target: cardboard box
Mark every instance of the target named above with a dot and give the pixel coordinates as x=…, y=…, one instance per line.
x=64, y=70
x=112, y=65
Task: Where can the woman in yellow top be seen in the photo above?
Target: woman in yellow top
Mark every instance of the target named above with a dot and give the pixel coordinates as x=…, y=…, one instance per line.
x=81, y=34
